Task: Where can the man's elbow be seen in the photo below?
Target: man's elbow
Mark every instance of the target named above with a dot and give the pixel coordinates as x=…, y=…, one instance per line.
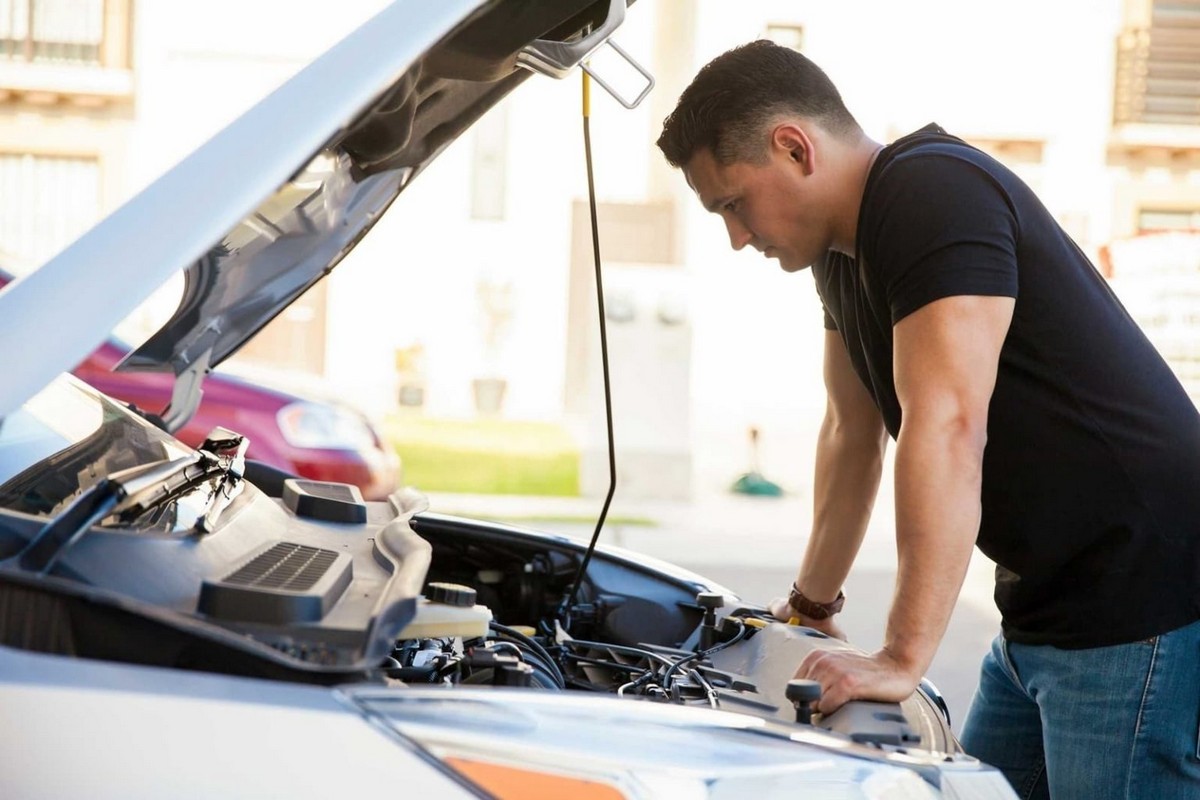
x=959, y=432
x=864, y=434
x=968, y=436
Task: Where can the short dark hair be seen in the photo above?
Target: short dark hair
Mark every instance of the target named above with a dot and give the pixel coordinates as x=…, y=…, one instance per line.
x=737, y=94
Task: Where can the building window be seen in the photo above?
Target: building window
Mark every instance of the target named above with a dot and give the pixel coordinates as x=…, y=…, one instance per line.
x=46, y=202
x=1158, y=66
x=786, y=35
x=52, y=31
x=1159, y=220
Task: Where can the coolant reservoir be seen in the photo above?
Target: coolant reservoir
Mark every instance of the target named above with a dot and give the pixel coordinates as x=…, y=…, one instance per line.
x=447, y=610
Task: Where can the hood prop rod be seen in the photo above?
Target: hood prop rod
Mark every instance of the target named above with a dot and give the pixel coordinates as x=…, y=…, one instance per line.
x=565, y=610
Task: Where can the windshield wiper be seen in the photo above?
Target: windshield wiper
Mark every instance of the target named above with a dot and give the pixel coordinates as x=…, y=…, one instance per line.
x=230, y=448
x=223, y=455
x=130, y=493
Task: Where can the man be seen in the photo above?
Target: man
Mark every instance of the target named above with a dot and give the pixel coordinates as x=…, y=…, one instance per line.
x=1030, y=414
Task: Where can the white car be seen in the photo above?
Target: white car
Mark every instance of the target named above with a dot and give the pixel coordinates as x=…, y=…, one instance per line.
x=177, y=622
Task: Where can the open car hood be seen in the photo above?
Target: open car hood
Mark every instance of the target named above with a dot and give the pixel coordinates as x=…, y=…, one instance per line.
x=271, y=204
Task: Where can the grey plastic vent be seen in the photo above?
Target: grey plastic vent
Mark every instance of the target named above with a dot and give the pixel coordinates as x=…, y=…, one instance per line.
x=292, y=567
x=287, y=583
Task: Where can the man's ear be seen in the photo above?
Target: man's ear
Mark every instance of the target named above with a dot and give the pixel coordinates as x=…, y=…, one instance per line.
x=793, y=141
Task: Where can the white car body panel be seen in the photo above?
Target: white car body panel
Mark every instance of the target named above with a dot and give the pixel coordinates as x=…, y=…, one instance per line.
x=88, y=729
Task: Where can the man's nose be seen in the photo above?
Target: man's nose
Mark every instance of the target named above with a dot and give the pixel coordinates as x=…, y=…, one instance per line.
x=739, y=234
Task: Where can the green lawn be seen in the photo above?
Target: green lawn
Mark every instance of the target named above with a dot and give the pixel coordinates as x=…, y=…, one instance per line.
x=485, y=456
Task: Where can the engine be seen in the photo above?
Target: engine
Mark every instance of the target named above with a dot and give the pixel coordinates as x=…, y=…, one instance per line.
x=633, y=632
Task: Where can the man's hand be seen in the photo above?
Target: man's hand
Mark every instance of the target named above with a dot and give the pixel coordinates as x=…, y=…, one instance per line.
x=784, y=613
x=846, y=676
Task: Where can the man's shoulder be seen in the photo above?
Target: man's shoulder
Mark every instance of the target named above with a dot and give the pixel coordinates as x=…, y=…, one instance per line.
x=931, y=163
x=931, y=142
x=932, y=136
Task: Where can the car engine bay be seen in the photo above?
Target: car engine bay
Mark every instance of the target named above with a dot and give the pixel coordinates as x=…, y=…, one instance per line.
x=317, y=586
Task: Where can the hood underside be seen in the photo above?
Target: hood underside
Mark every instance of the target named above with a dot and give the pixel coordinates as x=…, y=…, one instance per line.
x=299, y=233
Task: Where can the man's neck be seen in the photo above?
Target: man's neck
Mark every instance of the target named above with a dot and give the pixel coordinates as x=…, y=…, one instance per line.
x=861, y=157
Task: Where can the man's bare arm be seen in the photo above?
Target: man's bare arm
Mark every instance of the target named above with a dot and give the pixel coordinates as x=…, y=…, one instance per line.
x=849, y=463
x=946, y=356
x=945, y=365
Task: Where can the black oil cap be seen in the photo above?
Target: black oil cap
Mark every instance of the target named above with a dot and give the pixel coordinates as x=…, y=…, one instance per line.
x=451, y=594
x=803, y=694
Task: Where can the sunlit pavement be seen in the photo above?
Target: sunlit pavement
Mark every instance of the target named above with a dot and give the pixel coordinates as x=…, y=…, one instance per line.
x=753, y=545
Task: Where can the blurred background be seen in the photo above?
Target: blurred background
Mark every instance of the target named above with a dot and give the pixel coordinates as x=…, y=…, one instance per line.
x=465, y=325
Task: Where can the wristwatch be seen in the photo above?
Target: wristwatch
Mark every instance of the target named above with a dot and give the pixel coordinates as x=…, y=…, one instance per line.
x=812, y=609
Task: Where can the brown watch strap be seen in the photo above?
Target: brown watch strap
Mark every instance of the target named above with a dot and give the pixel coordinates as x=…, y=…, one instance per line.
x=812, y=609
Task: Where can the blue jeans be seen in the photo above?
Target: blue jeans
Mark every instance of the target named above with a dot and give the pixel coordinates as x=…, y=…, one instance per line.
x=1107, y=722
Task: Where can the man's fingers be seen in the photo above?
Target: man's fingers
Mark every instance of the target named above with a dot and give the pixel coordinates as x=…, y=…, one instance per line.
x=812, y=668
x=846, y=676
x=834, y=698
x=833, y=673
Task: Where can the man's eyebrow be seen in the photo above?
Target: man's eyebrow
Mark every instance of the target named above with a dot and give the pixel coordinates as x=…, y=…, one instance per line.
x=714, y=205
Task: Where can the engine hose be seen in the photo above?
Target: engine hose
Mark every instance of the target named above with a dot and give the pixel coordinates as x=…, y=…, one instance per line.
x=545, y=677
x=698, y=657
x=541, y=652
x=535, y=661
x=543, y=670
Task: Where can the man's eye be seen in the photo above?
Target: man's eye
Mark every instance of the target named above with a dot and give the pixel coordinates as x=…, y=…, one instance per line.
x=731, y=205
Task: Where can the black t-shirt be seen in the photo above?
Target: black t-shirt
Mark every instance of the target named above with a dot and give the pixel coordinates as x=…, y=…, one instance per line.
x=1091, y=474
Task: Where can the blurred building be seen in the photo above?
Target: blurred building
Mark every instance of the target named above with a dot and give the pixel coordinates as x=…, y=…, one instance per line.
x=476, y=294
x=66, y=108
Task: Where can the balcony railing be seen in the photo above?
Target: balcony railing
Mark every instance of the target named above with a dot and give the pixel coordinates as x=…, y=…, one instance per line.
x=1158, y=67
x=67, y=32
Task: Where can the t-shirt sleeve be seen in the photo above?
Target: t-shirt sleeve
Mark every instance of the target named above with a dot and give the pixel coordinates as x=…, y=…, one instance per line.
x=942, y=227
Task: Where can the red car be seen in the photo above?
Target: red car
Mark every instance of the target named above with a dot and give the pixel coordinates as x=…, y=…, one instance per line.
x=302, y=436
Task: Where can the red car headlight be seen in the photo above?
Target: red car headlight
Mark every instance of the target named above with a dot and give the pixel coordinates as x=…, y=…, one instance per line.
x=315, y=425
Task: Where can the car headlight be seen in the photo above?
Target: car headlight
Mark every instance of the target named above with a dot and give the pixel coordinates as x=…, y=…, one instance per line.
x=316, y=425
x=518, y=744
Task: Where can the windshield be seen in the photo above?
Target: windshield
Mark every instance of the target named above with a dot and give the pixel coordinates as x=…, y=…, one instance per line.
x=67, y=438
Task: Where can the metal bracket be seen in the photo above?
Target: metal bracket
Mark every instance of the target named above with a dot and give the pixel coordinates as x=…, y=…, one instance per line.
x=186, y=393
x=634, y=103
x=559, y=59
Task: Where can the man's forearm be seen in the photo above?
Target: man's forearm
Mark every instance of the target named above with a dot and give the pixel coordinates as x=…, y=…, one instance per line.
x=848, y=468
x=938, y=477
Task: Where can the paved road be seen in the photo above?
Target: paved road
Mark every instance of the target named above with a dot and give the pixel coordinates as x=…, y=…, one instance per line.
x=752, y=546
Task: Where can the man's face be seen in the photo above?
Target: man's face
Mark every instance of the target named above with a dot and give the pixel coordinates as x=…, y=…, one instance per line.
x=771, y=206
